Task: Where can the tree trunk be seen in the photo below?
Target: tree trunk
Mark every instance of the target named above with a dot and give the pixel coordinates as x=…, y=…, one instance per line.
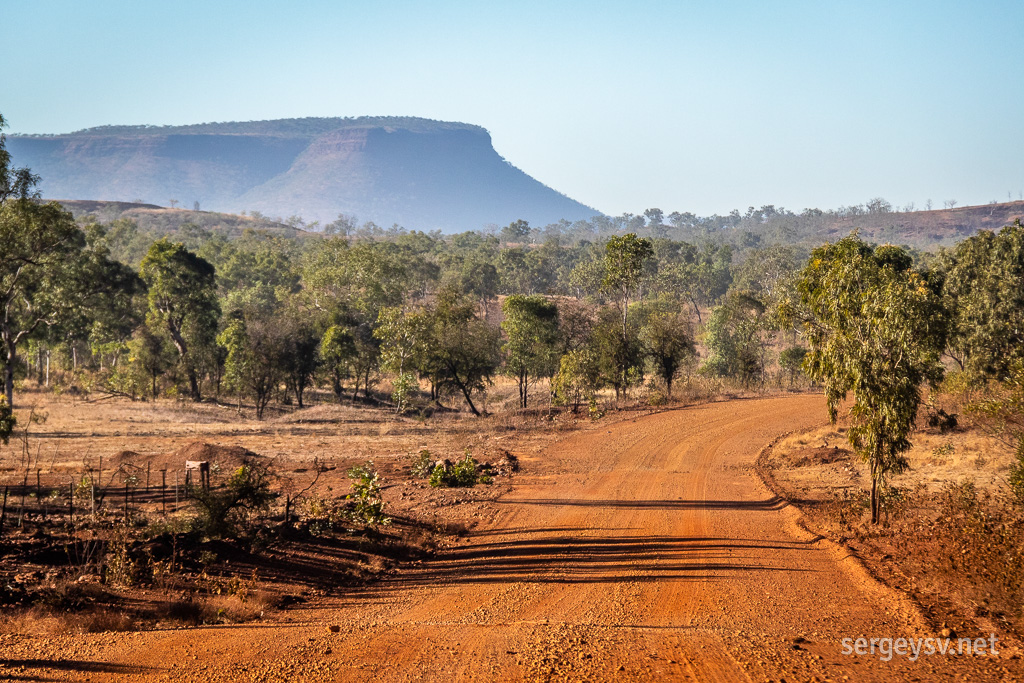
x=9, y=379
x=466, y=392
x=874, y=490
x=193, y=382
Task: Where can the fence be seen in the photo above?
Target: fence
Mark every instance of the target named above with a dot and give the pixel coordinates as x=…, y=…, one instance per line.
x=124, y=492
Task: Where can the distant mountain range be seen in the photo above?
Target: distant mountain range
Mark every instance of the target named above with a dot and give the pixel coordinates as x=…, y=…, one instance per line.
x=419, y=173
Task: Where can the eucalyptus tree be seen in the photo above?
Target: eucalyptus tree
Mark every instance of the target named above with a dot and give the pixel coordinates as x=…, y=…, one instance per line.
x=876, y=329
x=49, y=277
x=182, y=302
x=531, y=340
x=667, y=337
x=984, y=293
x=625, y=258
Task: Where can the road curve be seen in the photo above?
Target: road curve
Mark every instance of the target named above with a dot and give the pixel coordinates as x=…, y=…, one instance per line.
x=647, y=549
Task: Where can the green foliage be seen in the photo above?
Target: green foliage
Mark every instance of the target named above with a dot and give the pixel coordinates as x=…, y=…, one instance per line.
x=257, y=347
x=225, y=509
x=578, y=378
x=338, y=352
x=182, y=301
x=625, y=258
x=405, y=337
x=7, y=420
x=667, y=338
x=736, y=336
x=874, y=327
x=618, y=351
x=369, y=506
x=462, y=351
x=791, y=360
x=531, y=339
x=1002, y=414
x=983, y=289
x=50, y=278
x=422, y=464
x=463, y=473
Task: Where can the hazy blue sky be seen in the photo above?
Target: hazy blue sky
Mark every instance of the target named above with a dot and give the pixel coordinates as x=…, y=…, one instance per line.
x=691, y=106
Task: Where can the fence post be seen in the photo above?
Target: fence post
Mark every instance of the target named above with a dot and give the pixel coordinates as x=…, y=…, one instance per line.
x=71, y=501
x=3, y=511
x=126, y=500
x=163, y=491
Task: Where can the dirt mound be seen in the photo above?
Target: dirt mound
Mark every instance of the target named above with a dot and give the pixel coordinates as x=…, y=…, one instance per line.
x=223, y=455
x=126, y=456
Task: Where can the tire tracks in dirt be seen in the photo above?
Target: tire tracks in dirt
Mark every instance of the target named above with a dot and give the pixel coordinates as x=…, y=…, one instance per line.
x=645, y=550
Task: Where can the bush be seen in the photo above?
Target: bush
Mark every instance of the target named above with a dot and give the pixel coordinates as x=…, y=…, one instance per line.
x=421, y=464
x=7, y=420
x=223, y=510
x=369, y=506
x=461, y=474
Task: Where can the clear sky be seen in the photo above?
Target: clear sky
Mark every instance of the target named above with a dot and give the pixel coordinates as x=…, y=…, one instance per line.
x=689, y=106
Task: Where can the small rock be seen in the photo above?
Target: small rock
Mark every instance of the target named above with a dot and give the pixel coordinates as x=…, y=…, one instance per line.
x=334, y=628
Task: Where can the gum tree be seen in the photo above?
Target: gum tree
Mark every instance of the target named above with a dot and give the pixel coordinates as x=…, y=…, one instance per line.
x=531, y=340
x=876, y=329
x=183, y=301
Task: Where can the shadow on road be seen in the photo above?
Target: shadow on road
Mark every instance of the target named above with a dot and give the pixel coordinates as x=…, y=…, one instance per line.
x=773, y=503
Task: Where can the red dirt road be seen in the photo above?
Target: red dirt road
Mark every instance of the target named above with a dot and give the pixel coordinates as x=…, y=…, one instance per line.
x=644, y=550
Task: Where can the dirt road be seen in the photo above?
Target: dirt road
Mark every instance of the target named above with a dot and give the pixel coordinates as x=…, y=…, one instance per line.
x=644, y=550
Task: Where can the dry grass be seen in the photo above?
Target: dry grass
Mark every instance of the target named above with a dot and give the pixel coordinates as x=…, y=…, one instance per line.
x=951, y=535
x=45, y=621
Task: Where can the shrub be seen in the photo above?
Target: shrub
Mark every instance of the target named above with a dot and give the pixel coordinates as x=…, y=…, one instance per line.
x=7, y=420
x=369, y=506
x=421, y=465
x=461, y=474
x=222, y=510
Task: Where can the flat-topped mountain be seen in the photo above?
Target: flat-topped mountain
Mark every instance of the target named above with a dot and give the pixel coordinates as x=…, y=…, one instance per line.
x=419, y=173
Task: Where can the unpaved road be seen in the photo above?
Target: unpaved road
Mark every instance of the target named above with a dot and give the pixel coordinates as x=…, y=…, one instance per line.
x=644, y=550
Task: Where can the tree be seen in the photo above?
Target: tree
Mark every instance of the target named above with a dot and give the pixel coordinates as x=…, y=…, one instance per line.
x=256, y=349
x=624, y=262
x=791, y=360
x=15, y=183
x=151, y=355
x=404, y=336
x=182, y=300
x=463, y=348
x=338, y=351
x=578, y=378
x=735, y=337
x=667, y=337
x=49, y=275
x=531, y=340
x=7, y=420
x=983, y=288
x=301, y=346
x=517, y=231
x=619, y=354
x=875, y=329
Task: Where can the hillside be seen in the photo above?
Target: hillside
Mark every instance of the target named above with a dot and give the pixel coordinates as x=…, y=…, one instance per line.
x=161, y=220
x=418, y=173
x=940, y=227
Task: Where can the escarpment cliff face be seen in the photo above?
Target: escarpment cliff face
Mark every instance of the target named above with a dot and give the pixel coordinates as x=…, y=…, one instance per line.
x=420, y=174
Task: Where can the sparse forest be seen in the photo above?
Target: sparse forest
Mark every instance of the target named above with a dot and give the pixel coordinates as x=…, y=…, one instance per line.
x=569, y=319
